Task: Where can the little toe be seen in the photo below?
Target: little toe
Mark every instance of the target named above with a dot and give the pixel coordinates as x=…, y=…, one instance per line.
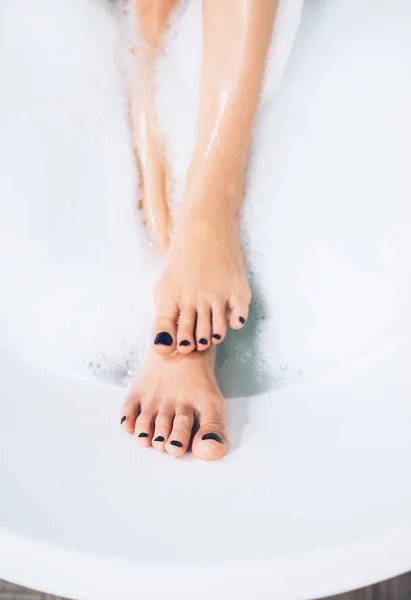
x=144, y=428
x=218, y=323
x=185, y=333
x=179, y=438
x=203, y=328
x=210, y=441
x=162, y=429
x=239, y=313
x=129, y=412
x=165, y=330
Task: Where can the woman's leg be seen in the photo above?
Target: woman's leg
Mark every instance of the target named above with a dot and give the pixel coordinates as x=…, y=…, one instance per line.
x=206, y=277
x=177, y=399
x=152, y=18
x=174, y=396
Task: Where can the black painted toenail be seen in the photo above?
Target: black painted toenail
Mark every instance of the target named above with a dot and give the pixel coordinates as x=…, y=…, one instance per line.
x=185, y=343
x=212, y=436
x=163, y=338
x=203, y=341
x=159, y=438
x=122, y=420
x=242, y=320
x=143, y=435
x=216, y=336
x=176, y=443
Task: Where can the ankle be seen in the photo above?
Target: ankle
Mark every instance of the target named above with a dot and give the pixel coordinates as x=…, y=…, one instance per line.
x=216, y=187
x=204, y=221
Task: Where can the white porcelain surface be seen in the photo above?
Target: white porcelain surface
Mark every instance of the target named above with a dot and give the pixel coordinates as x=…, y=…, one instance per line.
x=315, y=495
x=314, y=498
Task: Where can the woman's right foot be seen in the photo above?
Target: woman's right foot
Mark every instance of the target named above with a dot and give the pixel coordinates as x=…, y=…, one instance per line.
x=176, y=403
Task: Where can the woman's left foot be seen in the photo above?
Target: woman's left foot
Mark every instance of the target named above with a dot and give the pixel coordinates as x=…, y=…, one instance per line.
x=204, y=284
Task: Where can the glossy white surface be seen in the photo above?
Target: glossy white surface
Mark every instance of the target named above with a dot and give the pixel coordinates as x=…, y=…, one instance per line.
x=315, y=495
x=314, y=498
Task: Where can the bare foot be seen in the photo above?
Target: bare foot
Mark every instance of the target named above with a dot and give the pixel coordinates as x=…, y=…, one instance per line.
x=204, y=283
x=177, y=400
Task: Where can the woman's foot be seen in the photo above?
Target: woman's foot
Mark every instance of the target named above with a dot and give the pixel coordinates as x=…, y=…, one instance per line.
x=204, y=283
x=176, y=402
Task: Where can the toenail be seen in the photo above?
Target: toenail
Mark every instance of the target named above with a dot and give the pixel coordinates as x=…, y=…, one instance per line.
x=159, y=438
x=216, y=336
x=164, y=339
x=176, y=443
x=212, y=436
x=122, y=420
x=143, y=435
x=185, y=343
x=242, y=320
x=203, y=341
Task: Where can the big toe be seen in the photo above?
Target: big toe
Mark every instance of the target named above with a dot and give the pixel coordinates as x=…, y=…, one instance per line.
x=210, y=441
x=165, y=328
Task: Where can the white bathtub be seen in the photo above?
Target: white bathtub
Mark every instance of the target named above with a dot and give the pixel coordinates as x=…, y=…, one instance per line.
x=314, y=497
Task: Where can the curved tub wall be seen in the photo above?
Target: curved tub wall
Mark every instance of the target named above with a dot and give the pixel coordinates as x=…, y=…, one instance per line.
x=312, y=500
x=298, y=508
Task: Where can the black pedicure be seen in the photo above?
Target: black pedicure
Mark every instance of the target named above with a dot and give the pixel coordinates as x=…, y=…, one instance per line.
x=143, y=434
x=176, y=443
x=216, y=336
x=122, y=420
x=159, y=438
x=163, y=338
x=242, y=320
x=203, y=341
x=212, y=436
x=185, y=343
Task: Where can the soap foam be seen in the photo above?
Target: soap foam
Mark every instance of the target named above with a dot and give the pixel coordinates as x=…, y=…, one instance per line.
x=326, y=221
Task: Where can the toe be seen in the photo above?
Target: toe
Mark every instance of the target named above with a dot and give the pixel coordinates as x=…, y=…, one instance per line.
x=203, y=328
x=210, y=441
x=165, y=329
x=185, y=333
x=129, y=412
x=218, y=323
x=179, y=438
x=144, y=428
x=163, y=425
x=239, y=308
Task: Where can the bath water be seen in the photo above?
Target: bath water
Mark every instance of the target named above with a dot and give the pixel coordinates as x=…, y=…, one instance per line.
x=326, y=220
